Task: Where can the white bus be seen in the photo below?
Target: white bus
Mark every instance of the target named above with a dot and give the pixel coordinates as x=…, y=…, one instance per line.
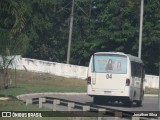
x=115, y=76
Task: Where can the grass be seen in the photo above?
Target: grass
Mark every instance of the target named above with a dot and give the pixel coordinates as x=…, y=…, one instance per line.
x=30, y=82
x=16, y=105
x=151, y=90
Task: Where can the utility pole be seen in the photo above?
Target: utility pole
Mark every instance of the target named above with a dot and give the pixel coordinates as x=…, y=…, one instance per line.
x=140, y=32
x=70, y=33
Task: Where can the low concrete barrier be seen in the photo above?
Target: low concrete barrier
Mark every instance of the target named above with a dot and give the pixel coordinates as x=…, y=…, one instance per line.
x=118, y=114
x=28, y=101
x=65, y=70
x=86, y=108
x=71, y=105
x=55, y=103
x=41, y=100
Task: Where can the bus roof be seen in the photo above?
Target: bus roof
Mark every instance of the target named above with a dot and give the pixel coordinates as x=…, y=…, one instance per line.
x=134, y=58
x=131, y=57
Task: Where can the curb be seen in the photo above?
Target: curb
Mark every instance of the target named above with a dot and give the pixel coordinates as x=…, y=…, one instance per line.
x=151, y=95
x=23, y=96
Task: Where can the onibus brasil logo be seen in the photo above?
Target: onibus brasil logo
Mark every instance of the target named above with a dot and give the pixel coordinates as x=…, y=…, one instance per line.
x=21, y=114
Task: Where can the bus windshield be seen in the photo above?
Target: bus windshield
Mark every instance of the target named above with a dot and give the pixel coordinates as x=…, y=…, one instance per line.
x=116, y=64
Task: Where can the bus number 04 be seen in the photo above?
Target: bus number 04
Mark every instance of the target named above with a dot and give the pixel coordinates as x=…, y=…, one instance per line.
x=109, y=76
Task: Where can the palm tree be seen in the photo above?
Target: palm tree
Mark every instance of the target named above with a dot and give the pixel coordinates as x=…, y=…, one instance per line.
x=12, y=14
x=12, y=22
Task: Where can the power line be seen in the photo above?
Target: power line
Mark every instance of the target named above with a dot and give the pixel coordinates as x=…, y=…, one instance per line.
x=82, y=10
x=62, y=8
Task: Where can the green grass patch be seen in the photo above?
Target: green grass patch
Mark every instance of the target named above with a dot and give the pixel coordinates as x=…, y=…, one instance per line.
x=16, y=105
x=29, y=82
x=151, y=90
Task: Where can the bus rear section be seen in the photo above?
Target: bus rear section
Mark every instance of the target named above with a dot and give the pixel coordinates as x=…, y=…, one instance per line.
x=109, y=78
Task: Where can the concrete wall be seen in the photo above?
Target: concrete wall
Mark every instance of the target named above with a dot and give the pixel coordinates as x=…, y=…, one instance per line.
x=59, y=69
x=66, y=70
x=16, y=61
x=152, y=81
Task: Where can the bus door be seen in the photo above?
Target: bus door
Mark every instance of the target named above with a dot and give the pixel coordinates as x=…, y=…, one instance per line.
x=142, y=81
x=138, y=78
x=109, y=72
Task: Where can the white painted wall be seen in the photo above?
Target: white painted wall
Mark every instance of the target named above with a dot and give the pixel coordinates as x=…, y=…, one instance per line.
x=66, y=70
x=152, y=81
x=59, y=69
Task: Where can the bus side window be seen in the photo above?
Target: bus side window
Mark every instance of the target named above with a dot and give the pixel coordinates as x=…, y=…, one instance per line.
x=133, y=72
x=136, y=69
x=139, y=70
x=143, y=71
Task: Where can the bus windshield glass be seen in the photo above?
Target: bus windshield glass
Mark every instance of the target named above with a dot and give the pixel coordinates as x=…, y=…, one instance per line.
x=116, y=64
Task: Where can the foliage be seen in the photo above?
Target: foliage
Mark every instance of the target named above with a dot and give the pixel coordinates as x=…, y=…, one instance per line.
x=48, y=31
x=13, y=40
x=151, y=42
x=99, y=25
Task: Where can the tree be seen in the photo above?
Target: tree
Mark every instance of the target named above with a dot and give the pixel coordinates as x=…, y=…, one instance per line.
x=103, y=25
x=109, y=26
x=13, y=40
x=49, y=30
x=151, y=35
